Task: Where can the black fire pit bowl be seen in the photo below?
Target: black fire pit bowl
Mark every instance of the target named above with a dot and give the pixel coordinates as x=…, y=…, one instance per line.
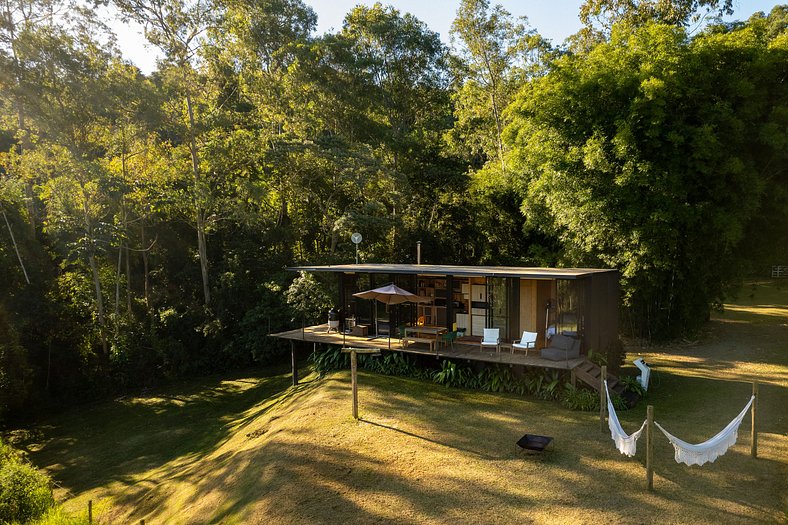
x=534, y=442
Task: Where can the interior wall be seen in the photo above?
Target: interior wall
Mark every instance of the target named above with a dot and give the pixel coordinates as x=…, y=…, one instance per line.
x=528, y=310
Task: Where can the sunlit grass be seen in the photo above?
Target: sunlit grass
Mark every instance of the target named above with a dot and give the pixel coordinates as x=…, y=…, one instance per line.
x=253, y=449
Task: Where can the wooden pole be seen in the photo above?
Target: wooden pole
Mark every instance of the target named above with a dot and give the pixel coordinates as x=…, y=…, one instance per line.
x=354, y=382
x=602, y=398
x=754, y=430
x=90, y=511
x=650, y=447
x=293, y=363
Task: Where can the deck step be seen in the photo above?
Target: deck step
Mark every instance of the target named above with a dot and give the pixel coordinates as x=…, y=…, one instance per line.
x=590, y=374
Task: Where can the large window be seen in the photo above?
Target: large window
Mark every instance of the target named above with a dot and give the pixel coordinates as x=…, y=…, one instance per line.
x=569, y=314
x=498, y=304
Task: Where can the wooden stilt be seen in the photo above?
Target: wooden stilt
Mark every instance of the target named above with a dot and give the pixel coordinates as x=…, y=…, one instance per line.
x=602, y=399
x=754, y=430
x=90, y=511
x=650, y=447
x=354, y=382
x=293, y=363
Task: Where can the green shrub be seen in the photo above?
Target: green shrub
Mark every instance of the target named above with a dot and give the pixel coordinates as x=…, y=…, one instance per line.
x=452, y=375
x=631, y=384
x=575, y=398
x=328, y=360
x=25, y=493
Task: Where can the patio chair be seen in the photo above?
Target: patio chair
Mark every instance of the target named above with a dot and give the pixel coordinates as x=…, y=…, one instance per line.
x=527, y=341
x=492, y=337
x=448, y=339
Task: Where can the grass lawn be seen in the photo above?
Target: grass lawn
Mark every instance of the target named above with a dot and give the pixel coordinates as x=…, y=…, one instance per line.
x=251, y=449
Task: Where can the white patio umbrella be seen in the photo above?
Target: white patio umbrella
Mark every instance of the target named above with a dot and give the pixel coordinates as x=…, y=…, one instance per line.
x=390, y=294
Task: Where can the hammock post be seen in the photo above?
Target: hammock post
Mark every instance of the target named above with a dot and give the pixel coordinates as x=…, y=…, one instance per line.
x=354, y=382
x=650, y=447
x=602, y=398
x=754, y=429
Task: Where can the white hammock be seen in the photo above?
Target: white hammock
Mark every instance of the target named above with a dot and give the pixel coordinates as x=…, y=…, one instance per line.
x=709, y=450
x=625, y=444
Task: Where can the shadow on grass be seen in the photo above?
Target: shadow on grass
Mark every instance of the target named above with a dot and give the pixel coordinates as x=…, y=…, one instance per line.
x=87, y=448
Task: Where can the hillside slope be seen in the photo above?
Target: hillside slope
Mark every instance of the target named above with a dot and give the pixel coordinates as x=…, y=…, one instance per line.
x=254, y=450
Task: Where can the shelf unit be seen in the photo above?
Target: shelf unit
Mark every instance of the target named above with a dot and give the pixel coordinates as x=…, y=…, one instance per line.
x=434, y=313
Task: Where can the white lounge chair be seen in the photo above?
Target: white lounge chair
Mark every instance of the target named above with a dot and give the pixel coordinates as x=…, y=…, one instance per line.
x=492, y=338
x=527, y=341
x=645, y=372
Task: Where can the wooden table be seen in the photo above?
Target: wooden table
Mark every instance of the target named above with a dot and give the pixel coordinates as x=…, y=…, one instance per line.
x=431, y=333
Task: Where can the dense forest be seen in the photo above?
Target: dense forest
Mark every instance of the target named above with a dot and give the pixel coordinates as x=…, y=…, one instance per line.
x=147, y=220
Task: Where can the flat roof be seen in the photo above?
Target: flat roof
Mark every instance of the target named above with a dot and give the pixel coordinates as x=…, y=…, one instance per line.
x=457, y=271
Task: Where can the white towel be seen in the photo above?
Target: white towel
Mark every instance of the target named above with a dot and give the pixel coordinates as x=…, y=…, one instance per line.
x=711, y=449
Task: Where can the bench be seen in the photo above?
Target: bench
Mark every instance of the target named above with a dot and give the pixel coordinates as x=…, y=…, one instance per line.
x=429, y=342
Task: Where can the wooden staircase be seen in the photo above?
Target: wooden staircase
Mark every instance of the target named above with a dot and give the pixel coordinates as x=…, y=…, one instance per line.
x=589, y=373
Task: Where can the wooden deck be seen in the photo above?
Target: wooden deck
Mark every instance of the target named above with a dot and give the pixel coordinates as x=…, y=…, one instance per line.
x=470, y=352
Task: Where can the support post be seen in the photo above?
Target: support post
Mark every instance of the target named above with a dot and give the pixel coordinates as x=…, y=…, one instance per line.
x=354, y=382
x=650, y=447
x=602, y=398
x=293, y=363
x=572, y=377
x=754, y=430
x=90, y=511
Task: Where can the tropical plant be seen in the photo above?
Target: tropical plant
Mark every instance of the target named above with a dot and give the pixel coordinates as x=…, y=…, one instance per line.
x=631, y=384
x=575, y=398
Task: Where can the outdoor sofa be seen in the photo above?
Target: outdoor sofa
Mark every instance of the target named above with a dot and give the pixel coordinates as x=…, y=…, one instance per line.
x=562, y=347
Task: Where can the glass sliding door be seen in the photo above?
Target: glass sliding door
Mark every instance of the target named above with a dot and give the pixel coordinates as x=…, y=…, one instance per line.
x=498, y=305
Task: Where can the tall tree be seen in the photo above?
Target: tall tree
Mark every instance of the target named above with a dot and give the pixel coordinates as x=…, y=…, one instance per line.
x=497, y=54
x=652, y=154
x=179, y=30
x=599, y=16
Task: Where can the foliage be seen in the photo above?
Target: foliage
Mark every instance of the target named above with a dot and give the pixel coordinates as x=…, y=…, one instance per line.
x=25, y=493
x=653, y=153
x=150, y=217
x=451, y=375
x=308, y=297
x=575, y=398
x=58, y=516
x=632, y=384
x=331, y=359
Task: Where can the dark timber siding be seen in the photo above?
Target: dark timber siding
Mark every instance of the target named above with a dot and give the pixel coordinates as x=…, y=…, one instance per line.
x=601, y=311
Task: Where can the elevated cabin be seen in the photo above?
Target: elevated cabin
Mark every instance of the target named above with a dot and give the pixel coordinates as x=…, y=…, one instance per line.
x=579, y=302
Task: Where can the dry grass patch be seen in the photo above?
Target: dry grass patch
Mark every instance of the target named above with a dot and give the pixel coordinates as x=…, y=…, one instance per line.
x=254, y=450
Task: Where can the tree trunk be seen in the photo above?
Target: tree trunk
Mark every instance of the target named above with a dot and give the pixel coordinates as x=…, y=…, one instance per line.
x=117, y=281
x=145, y=281
x=128, y=278
x=96, y=280
x=202, y=248
x=16, y=249
x=99, y=301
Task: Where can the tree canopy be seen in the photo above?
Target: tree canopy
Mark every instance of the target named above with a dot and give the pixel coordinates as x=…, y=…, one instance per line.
x=147, y=219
